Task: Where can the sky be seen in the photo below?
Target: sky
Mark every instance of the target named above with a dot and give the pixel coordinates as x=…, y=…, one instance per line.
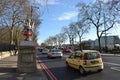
x=59, y=13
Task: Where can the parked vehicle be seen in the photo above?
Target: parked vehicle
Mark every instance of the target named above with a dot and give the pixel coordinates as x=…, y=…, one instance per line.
x=45, y=51
x=85, y=61
x=55, y=53
x=40, y=50
x=67, y=51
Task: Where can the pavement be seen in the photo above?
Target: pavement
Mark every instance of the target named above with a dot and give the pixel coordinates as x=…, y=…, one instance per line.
x=8, y=71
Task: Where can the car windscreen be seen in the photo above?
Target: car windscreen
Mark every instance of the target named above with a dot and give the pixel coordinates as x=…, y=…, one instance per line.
x=56, y=50
x=45, y=49
x=92, y=55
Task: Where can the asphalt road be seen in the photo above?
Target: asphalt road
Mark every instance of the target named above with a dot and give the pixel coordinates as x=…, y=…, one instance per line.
x=58, y=68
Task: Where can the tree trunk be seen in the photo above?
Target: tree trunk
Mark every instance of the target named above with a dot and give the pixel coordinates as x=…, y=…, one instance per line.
x=11, y=36
x=99, y=43
x=80, y=43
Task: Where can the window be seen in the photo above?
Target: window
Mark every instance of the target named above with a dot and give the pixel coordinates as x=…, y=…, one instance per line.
x=78, y=55
x=92, y=55
x=72, y=56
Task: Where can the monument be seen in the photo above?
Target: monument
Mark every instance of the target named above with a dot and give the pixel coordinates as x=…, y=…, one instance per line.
x=26, y=51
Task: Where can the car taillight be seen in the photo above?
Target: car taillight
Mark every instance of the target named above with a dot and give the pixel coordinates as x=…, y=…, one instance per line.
x=85, y=58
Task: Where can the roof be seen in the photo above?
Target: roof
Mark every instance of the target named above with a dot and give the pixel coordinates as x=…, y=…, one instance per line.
x=87, y=51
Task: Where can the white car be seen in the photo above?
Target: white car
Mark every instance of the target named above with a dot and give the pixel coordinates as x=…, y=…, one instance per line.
x=45, y=51
x=55, y=53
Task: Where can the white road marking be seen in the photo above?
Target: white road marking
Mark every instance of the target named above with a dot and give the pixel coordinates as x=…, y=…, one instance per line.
x=113, y=68
x=116, y=68
x=112, y=63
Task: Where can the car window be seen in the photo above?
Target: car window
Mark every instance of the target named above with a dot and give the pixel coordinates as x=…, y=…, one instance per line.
x=92, y=55
x=56, y=50
x=76, y=55
x=72, y=56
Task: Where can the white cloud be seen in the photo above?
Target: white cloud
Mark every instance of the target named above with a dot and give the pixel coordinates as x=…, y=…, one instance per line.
x=67, y=15
x=47, y=2
x=105, y=1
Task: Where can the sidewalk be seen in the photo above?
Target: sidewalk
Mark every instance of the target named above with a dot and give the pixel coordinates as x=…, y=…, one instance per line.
x=109, y=54
x=8, y=68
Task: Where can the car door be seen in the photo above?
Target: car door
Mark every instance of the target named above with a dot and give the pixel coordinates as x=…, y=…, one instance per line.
x=70, y=60
x=77, y=61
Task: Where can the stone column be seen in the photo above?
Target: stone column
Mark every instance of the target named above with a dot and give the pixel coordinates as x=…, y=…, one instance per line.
x=26, y=53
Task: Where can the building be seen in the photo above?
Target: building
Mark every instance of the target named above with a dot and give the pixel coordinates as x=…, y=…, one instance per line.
x=88, y=44
x=107, y=41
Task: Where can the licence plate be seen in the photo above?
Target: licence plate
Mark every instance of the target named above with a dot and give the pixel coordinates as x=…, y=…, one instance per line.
x=94, y=62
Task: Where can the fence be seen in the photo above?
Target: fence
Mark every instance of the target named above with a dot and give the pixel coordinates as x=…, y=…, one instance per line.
x=6, y=47
x=6, y=50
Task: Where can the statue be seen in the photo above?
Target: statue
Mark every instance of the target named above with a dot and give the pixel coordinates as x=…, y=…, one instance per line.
x=28, y=30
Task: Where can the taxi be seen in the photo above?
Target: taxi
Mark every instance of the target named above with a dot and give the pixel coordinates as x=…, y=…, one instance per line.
x=85, y=61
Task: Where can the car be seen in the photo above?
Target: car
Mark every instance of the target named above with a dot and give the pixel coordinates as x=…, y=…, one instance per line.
x=85, y=61
x=40, y=50
x=67, y=51
x=55, y=53
x=45, y=51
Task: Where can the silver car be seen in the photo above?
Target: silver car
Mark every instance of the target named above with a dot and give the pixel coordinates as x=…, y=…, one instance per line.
x=55, y=53
x=45, y=51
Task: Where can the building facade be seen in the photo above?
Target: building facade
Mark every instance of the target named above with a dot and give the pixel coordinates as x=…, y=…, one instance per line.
x=107, y=41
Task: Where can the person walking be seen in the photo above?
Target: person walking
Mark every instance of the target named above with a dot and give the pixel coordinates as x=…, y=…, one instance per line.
x=16, y=50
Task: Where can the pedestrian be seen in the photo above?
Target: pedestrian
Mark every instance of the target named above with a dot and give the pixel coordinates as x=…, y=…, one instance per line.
x=16, y=50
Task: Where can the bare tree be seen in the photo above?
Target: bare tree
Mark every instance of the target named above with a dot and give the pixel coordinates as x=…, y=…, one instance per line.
x=71, y=33
x=3, y=4
x=3, y=33
x=81, y=29
x=67, y=32
x=61, y=38
x=99, y=14
x=48, y=42
x=52, y=41
x=72, y=28
x=14, y=14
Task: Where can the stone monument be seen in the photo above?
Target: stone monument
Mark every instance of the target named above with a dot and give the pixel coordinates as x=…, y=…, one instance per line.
x=26, y=51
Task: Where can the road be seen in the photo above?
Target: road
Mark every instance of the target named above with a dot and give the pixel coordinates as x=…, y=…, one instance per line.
x=58, y=68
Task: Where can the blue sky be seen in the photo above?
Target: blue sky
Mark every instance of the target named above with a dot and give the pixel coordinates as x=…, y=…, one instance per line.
x=59, y=13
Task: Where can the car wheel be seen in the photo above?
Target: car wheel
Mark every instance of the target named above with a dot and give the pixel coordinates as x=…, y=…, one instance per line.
x=48, y=57
x=99, y=70
x=81, y=70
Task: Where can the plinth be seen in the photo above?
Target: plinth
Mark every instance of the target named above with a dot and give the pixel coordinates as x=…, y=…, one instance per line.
x=26, y=57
